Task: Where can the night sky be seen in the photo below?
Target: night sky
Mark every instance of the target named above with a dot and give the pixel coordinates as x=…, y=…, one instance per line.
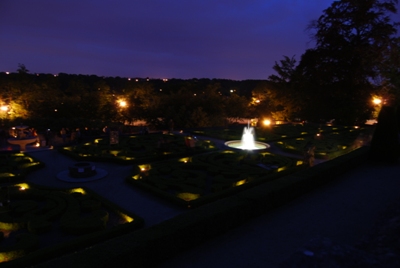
x=230, y=39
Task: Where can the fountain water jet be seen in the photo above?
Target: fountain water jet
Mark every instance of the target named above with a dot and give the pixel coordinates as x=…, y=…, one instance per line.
x=247, y=142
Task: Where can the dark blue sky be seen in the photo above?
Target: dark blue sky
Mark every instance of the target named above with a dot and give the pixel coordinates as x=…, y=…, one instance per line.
x=232, y=39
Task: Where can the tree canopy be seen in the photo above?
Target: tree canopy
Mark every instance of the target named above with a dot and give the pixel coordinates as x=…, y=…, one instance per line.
x=354, y=41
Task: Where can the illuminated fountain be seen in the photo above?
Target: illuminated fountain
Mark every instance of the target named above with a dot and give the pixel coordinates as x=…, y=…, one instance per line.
x=247, y=142
x=20, y=137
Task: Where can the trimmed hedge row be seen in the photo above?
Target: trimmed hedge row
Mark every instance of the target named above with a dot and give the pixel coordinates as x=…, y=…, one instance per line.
x=149, y=247
x=78, y=214
x=194, y=181
x=328, y=145
x=136, y=149
x=15, y=166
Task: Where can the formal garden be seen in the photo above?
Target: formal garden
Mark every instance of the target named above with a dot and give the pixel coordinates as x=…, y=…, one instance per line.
x=39, y=223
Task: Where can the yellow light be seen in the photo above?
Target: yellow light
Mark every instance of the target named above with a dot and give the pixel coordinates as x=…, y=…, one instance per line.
x=145, y=167
x=184, y=160
x=188, y=196
x=377, y=101
x=4, y=108
x=114, y=152
x=122, y=103
x=126, y=217
x=238, y=183
x=23, y=186
x=77, y=190
x=267, y=122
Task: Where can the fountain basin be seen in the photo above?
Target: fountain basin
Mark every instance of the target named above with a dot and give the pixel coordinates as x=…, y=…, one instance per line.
x=82, y=170
x=22, y=142
x=255, y=145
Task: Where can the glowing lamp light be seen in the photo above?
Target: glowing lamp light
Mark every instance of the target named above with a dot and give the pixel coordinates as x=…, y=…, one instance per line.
x=4, y=108
x=267, y=122
x=144, y=167
x=377, y=101
x=78, y=190
x=122, y=103
x=23, y=186
x=127, y=218
x=241, y=182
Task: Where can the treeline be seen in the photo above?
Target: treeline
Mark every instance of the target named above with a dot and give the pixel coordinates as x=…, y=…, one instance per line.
x=83, y=98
